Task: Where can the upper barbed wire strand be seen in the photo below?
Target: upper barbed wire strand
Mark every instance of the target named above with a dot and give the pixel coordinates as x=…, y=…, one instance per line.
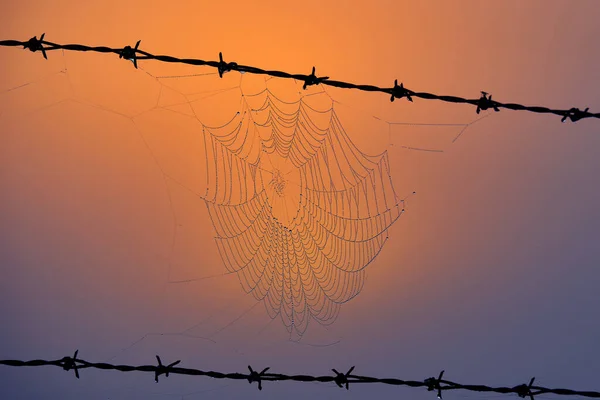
x=134, y=54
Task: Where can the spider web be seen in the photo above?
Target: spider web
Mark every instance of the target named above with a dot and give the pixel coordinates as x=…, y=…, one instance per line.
x=300, y=245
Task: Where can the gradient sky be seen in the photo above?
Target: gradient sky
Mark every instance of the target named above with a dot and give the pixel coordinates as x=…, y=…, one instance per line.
x=491, y=274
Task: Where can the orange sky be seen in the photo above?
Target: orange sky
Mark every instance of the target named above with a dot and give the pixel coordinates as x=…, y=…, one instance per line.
x=88, y=241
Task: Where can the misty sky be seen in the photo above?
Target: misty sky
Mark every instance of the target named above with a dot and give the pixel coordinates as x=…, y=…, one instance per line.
x=491, y=274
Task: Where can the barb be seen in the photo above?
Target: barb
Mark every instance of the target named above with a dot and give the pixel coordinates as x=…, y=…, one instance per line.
x=34, y=44
x=163, y=369
x=435, y=384
x=313, y=80
x=525, y=390
x=340, y=379
x=70, y=363
x=256, y=376
x=396, y=92
x=486, y=102
x=130, y=54
x=223, y=66
x=399, y=92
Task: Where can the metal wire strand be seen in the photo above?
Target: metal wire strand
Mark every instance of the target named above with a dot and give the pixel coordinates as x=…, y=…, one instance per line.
x=134, y=54
x=342, y=380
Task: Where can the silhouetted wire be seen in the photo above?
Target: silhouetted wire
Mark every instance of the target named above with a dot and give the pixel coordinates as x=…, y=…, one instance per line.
x=343, y=380
x=484, y=102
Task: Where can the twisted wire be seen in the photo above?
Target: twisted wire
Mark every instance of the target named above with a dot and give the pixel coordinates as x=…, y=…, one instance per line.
x=133, y=54
x=343, y=380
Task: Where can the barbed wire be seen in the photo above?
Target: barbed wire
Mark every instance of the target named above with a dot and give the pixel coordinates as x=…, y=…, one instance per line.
x=484, y=102
x=343, y=380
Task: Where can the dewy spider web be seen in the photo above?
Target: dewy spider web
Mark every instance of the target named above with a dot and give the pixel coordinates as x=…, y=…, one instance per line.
x=300, y=245
x=298, y=209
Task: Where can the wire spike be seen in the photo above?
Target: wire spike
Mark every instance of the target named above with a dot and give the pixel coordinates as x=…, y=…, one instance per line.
x=486, y=102
x=524, y=390
x=225, y=67
x=312, y=79
x=70, y=363
x=130, y=53
x=435, y=384
x=34, y=44
x=399, y=92
x=256, y=376
x=342, y=379
x=575, y=114
x=163, y=369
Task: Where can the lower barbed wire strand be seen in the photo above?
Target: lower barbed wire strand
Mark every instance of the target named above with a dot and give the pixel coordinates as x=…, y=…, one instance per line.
x=68, y=363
